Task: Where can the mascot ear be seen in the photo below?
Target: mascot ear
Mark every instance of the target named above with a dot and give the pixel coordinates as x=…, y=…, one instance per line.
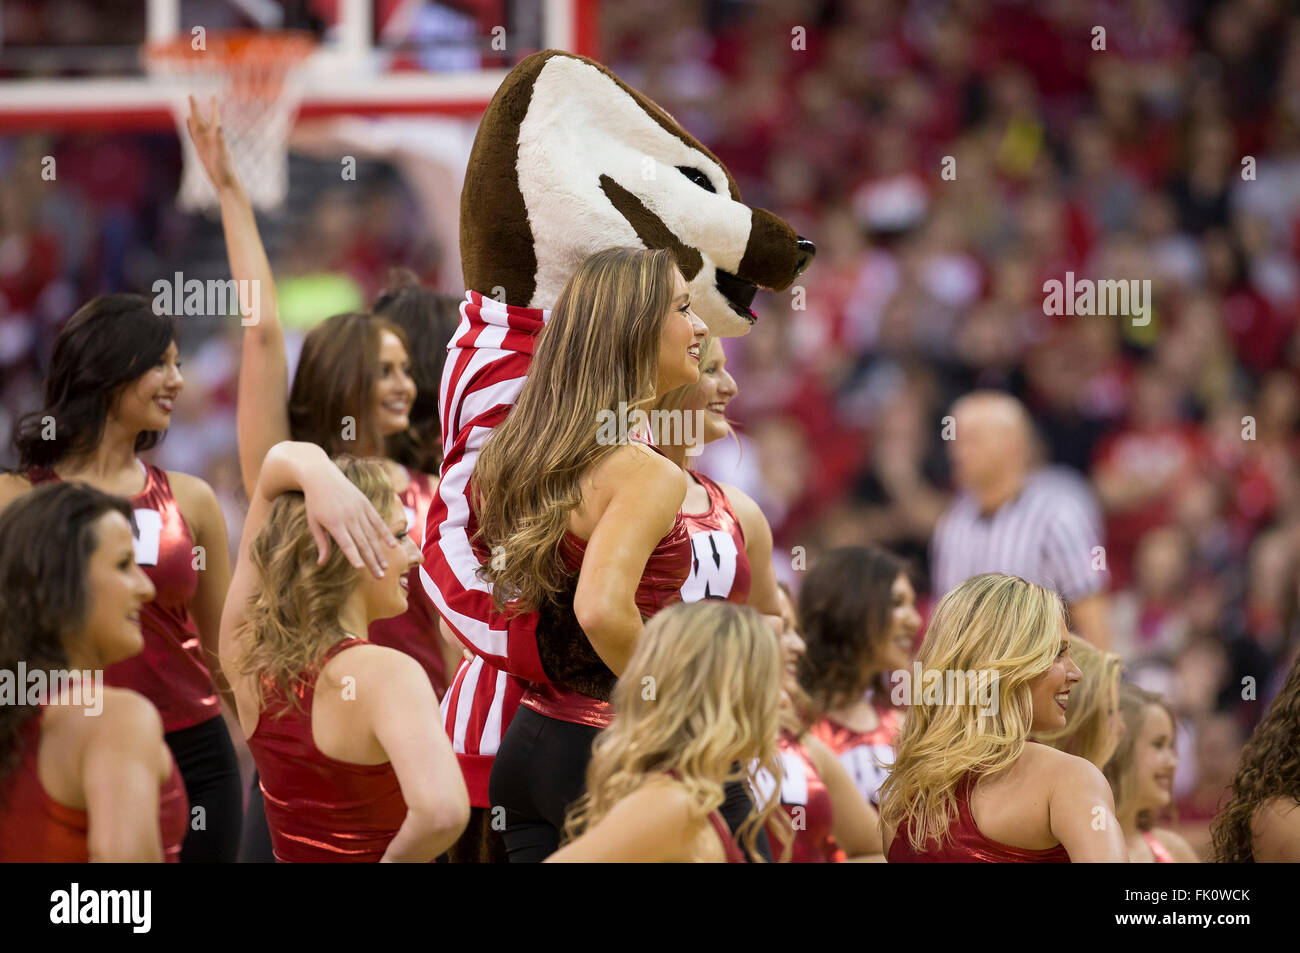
x=569, y=160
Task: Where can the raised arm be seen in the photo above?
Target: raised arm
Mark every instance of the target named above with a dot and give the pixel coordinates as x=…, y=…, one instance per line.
x=1081, y=811
x=647, y=493
x=262, y=410
x=336, y=509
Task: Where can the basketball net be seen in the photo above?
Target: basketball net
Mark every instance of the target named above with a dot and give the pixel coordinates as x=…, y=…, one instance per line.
x=257, y=79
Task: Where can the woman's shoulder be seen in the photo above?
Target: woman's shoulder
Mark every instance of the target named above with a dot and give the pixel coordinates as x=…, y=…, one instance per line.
x=368, y=663
x=640, y=472
x=1275, y=830
x=125, y=723
x=662, y=803
x=192, y=493
x=636, y=457
x=1054, y=770
x=1176, y=844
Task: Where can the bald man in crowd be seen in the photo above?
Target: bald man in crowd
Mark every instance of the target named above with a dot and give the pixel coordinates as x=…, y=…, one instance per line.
x=1014, y=516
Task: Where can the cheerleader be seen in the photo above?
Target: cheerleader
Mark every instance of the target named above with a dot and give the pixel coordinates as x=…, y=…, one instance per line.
x=352, y=392
x=1141, y=775
x=731, y=541
x=699, y=696
x=857, y=612
x=1262, y=820
x=114, y=377
x=830, y=818
x=74, y=788
x=968, y=785
x=578, y=524
x=1093, y=726
x=353, y=761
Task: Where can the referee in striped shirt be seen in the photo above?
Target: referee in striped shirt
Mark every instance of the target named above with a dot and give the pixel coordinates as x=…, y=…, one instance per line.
x=1014, y=517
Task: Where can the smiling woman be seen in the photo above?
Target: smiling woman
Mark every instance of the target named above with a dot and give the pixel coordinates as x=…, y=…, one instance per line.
x=595, y=538
x=74, y=597
x=113, y=382
x=968, y=786
x=1141, y=774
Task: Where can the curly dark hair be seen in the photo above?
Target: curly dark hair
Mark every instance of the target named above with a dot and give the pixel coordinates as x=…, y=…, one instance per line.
x=429, y=321
x=47, y=538
x=844, y=608
x=1270, y=768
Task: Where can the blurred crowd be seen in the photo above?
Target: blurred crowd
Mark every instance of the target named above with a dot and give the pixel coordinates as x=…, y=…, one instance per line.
x=951, y=157
x=948, y=157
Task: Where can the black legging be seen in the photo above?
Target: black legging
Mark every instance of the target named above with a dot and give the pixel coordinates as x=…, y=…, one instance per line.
x=255, y=845
x=208, y=766
x=540, y=770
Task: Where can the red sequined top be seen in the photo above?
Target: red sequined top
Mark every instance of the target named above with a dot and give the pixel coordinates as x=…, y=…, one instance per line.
x=965, y=844
x=1158, y=850
x=660, y=586
x=319, y=809
x=719, y=563
x=866, y=755
x=170, y=671
x=35, y=828
x=734, y=854
x=808, y=803
x=415, y=631
x=665, y=571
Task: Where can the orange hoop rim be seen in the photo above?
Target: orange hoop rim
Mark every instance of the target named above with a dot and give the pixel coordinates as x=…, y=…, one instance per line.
x=233, y=49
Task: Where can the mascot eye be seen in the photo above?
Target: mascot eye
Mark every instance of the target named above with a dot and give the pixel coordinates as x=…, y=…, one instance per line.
x=698, y=177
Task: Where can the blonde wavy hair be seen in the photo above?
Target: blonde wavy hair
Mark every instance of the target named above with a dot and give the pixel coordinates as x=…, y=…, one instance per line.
x=599, y=352
x=992, y=623
x=293, y=614
x=1087, y=730
x=700, y=693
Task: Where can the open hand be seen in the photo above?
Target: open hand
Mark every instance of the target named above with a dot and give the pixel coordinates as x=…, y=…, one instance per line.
x=338, y=510
x=210, y=142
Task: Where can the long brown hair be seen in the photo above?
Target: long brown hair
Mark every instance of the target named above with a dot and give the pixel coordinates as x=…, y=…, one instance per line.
x=428, y=321
x=293, y=616
x=47, y=539
x=1270, y=768
x=109, y=342
x=336, y=380
x=597, y=358
x=845, y=604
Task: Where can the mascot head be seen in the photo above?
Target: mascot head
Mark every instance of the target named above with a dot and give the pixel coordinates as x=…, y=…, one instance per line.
x=569, y=160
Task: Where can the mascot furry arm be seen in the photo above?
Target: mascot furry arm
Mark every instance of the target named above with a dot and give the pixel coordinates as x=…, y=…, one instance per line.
x=568, y=160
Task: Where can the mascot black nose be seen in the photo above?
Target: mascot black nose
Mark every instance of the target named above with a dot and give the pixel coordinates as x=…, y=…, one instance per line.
x=806, y=251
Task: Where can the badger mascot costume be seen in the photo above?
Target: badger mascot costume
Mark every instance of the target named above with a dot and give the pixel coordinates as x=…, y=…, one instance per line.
x=568, y=160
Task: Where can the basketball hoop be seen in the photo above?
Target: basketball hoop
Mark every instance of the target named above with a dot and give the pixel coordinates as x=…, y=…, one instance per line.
x=257, y=80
